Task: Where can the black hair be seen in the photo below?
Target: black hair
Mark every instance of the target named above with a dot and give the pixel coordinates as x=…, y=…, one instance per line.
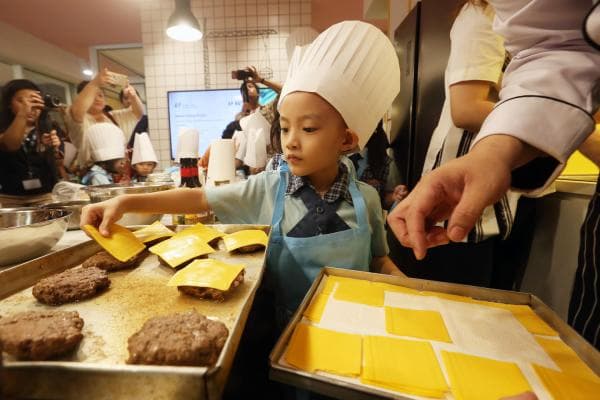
x=8, y=92
x=244, y=90
x=377, y=149
x=108, y=165
x=230, y=129
x=81, y=85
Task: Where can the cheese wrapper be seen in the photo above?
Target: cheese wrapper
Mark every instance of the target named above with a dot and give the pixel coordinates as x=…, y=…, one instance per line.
x=207, y=273
x=245, y=238
x=153, y=232
x=178, y=250
x=204, y=232
x=121, y=244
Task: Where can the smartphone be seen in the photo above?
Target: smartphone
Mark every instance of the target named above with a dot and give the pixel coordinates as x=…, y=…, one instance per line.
x=240, y=74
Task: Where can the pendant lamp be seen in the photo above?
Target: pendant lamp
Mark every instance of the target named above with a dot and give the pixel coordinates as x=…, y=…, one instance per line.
x=182, y=24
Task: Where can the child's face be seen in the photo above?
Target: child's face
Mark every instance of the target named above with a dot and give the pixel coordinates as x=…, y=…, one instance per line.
x=313, y=134
x=144, y=168
x=119, y=166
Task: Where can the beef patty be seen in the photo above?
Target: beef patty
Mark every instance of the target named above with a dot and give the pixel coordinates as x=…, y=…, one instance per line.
x=41, y=335
x=178, y=339
x=72, y=285
x=211, y=293
x=105, y=261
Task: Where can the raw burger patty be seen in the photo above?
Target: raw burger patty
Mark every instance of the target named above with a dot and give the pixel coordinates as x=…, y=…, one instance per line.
x=211, y=293
x=40, y=335
x=72, y=285
x=105, y=261
x=178, y=339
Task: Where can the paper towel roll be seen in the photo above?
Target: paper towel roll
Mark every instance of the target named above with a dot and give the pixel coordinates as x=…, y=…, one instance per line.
x=187, y=143
x=221, y=163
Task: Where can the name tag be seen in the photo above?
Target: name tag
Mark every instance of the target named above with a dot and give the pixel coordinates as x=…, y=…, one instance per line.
x=30, y=184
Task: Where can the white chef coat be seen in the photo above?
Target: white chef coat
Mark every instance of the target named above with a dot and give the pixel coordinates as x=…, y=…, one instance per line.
x=549, y=88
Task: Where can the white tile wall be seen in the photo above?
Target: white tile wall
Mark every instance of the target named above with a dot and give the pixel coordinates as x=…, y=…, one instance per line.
x=171, y=65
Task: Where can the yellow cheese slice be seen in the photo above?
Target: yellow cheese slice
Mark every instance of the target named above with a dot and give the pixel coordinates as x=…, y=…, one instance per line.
x=244, y=238
x=153, y=232
x=315, y=349
x=448, y=296
x=526, y=316
x=204, y=232
x=331, y=281
x=479, y=378
x=360, y=291
x=207, y=273
x=416, y=323
x=566, y=386
x=315, y=309
x=178, y=250
x=566, y=359
x=396, y=288
x=121, y=244
x=406, y=366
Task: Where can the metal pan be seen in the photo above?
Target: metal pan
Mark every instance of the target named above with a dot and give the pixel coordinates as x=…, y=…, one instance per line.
x=98, y=369
x=339, y=388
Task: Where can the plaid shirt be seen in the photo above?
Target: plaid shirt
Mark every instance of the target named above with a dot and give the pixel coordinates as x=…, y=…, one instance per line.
x=337, y=190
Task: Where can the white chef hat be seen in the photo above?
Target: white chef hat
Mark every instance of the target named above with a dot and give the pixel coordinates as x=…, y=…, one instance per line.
x=106, y=141
x=300, y=36
x=354, y=67
x=142, y=149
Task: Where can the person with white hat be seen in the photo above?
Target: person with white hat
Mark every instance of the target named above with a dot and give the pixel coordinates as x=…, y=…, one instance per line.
x=107, y=147
x=143, y=159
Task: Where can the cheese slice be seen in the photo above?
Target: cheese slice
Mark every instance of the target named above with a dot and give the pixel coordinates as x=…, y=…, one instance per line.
x=244, y=238
x=566, y=386
x=416, y=323
x=207, y=273
x=315, y=349
x=360, y=291
x=406, y=366
x=178, y=250
x=526, y=316
x=121, y=244
x=478, y=378
x=566, y=359
x=204, y=232
x=153, y=232
x=315, y=309
x=331, y=281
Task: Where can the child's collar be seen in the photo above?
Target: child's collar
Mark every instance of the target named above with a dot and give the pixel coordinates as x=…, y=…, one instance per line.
x=339, y=188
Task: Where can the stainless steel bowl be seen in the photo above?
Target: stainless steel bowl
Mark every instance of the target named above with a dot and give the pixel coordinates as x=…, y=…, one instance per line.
x=27, y=233
x=74, y=206
x=106, y=192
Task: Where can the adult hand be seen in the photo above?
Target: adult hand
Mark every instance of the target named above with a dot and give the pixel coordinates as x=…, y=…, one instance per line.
x=102, y=215
x=253, y=73
x=129, y=92
x=26, y=106
x=51, y=139
x=458, y=191
x=103, y=78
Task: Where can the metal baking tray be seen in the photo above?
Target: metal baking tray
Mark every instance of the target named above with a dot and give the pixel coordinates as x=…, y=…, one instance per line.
x=98, y=369
x=331, y=386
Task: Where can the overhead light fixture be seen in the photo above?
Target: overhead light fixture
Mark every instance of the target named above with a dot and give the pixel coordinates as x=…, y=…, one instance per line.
x=182, y=24
x=87, y=72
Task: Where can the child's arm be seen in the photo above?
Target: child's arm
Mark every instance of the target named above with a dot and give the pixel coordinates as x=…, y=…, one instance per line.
x=176, y=201
x=385, y=265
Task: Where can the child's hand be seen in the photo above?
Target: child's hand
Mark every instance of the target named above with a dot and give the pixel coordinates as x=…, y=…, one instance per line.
x=102, y=215
x=400, y=192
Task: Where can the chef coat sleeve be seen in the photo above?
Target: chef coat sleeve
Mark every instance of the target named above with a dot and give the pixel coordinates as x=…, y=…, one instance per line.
x=549, y=89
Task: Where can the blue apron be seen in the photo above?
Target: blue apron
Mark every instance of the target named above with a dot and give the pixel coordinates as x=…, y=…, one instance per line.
x=294, y=262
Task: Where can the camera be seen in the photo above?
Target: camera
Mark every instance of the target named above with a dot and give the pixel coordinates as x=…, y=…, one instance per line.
x=51, y=101
x=240, y=74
